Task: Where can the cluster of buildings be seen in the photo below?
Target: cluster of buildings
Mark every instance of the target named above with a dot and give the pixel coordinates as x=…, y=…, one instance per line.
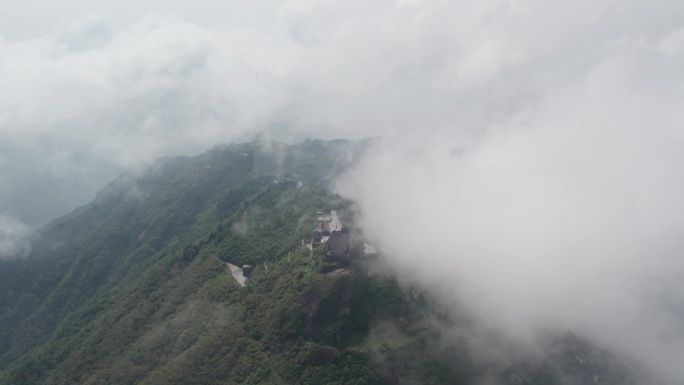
x=337, y=241
x=322, y=229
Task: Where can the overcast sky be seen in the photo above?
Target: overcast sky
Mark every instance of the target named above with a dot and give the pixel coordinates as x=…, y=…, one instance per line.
x=542, y=139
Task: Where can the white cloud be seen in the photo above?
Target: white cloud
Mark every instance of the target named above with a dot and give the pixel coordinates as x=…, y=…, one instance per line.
x=13, y=236
x=77, y=106
x=567, y=214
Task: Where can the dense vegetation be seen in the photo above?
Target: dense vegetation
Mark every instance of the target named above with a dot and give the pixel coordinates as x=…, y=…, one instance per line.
x=133, y=289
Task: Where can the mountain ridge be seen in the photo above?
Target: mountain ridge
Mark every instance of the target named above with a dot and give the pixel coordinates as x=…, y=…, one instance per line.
x=133, y=289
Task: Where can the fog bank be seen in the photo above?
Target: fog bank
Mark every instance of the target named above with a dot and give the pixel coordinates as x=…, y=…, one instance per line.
x=565, y=216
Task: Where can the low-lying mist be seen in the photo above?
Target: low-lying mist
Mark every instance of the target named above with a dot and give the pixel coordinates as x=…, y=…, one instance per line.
x=567, y=217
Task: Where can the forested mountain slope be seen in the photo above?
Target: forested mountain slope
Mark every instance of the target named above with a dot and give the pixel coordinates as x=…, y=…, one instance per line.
x=133, y=289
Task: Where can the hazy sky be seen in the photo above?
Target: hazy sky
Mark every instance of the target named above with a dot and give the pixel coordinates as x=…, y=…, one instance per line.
x=541, y=140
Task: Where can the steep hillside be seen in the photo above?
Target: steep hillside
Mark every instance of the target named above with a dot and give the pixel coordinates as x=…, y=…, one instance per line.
x=134, y=289
x=147, y=244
